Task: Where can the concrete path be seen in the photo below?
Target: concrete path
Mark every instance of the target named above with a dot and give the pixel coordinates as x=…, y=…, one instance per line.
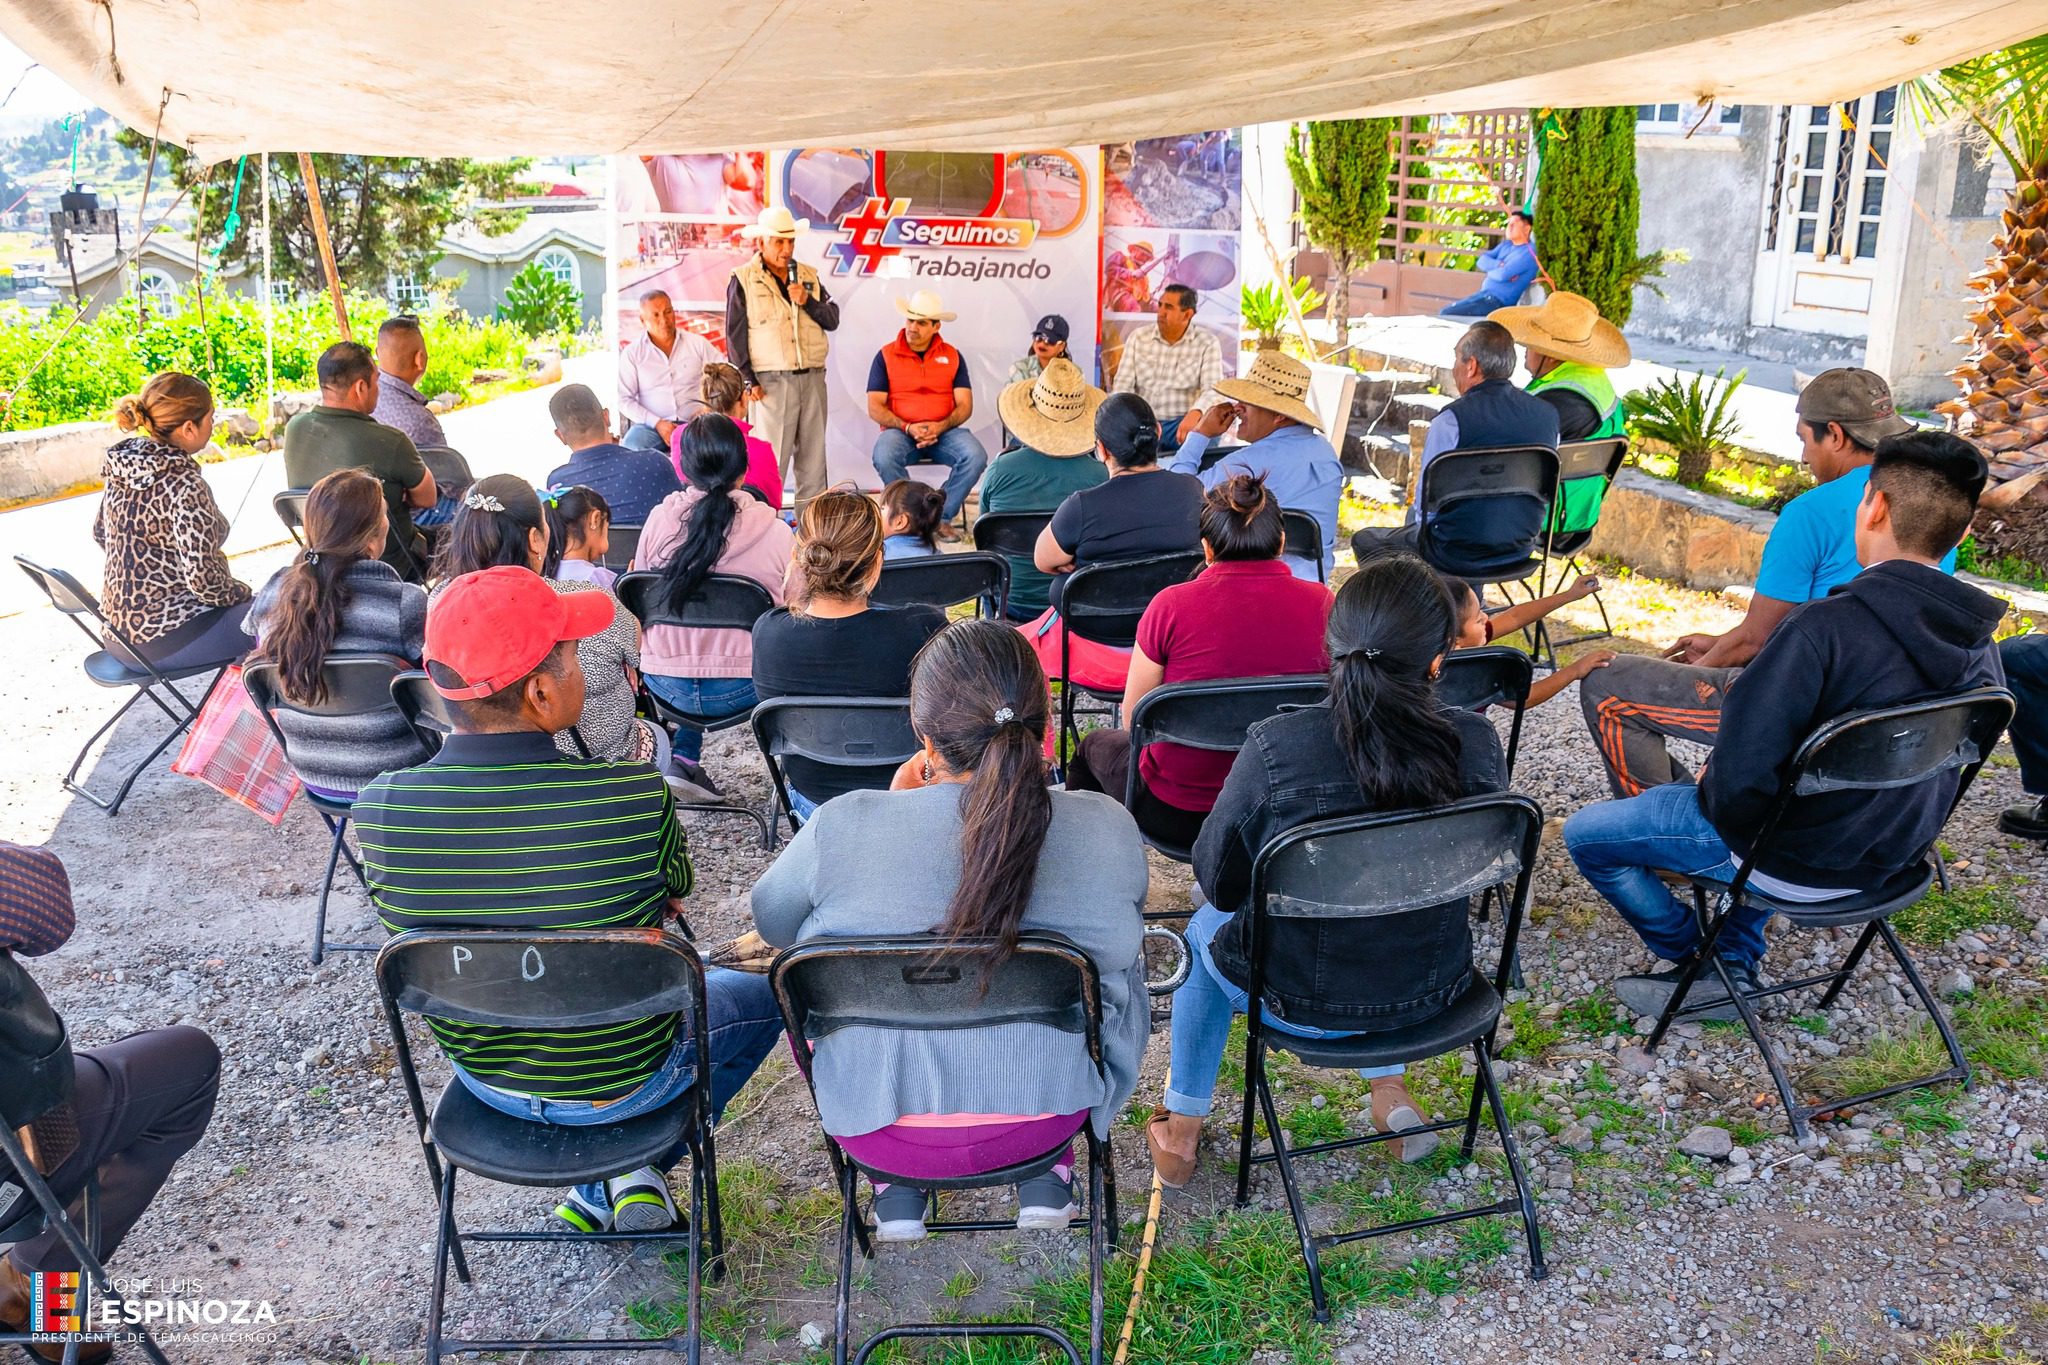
x=510, y=435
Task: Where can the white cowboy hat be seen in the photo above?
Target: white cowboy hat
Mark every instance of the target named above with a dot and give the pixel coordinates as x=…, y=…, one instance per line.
x=1568, y=327
x=925, y=306
x=1276, y=382
x=776, y=221
x=1053, y=414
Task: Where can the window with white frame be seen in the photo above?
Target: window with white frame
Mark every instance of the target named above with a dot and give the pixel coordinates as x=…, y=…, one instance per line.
x=562, y=265
x=284, y=293
x=407, y=291
x=159, y=292
x=1689, y=118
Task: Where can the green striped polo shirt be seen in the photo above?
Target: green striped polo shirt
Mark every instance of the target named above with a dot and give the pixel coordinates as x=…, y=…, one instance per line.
x=505, y=832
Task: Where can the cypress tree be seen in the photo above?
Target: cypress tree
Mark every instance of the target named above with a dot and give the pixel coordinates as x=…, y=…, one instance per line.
x=1587, y=204
x=1339, y=168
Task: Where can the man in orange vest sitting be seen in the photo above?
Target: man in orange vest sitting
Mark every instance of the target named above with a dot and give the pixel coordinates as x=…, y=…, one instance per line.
x=918, y=394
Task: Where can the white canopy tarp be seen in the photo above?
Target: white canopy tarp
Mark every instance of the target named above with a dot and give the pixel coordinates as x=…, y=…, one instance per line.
x=493, y=77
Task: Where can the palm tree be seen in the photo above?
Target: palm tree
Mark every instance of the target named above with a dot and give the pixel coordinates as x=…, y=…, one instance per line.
x=2003, y=95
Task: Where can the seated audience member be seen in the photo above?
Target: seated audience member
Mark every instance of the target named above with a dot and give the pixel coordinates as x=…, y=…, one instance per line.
x=1139, y=509
x=1489, y=412
x=912, y=513
x=1284, y=446
x=1244, y=616
x=1900, y=631
x=1051, y=421
x=168, y=587
x=338, y=597
x=998, y=854
x=725, y=393
x=1570, y=348
x=631, y=480
x=136, y=1106
x=1476, y=630
x=829, y=642
x=340, y=433
x=1636, y=703
x=661, y=375
x=502, y=523
x=579, y=536
x=712, y=526
x=1173, y=365
x=2025, y=658
x=1048, y=343
x=1510, y=268
x=1381, y=743
x=920, y=397
x=493, y=833
x=401, y=362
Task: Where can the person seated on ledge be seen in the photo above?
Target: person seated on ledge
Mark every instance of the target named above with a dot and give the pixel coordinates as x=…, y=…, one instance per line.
x=1900, y=631
x=829, y=642
x=1380, y=743
x=1244, y=616
x=920, y=397
x=912, y=513
x=494, y=833
x=137, y=1105
x=1634, y=706
x=2025, y=659
x=1052, y=419
x=998, y=854
x=1285, y=446
x=631, y=481
x=1476, y=630
x=338, y=597
x=1510, y=268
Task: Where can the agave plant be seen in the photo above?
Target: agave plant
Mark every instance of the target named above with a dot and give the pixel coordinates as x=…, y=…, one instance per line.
x=1691, y=418
x=1265, y=311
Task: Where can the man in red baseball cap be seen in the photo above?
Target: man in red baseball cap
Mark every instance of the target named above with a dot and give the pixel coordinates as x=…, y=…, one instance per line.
x=501, y=830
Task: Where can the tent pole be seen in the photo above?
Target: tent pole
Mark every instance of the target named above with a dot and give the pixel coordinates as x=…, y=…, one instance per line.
x=312, y=179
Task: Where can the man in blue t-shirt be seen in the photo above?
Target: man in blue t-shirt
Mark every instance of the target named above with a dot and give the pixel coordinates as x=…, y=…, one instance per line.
x=1635, y=703
x=1510, y=268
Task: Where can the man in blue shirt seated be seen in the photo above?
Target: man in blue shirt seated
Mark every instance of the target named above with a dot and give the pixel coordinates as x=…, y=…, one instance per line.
x=1284, y=444
x=1510, y=267
x=1636, y=702
x=632, y=482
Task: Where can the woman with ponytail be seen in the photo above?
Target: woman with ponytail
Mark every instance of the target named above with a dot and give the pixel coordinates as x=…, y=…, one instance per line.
x=997, y=854
x=339, y=597
x=1381, y=743
x=712, y=526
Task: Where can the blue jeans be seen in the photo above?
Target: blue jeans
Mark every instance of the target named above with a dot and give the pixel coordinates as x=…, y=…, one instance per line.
x=640, y=436
x=957, y=449
x=2026, y=673
x=803, y=807
x=713, y=697
x=745, y=1024
x=1201, y=1024
x=1616, y=843
x=1477, y=306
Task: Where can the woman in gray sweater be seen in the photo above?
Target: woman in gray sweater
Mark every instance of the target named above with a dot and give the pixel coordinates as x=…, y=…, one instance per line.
x=997, y=853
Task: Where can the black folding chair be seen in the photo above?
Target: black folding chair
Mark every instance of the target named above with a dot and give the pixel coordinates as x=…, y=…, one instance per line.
x=290, y=507
x=866, y=737
x=357, y=684
x=1304, y=537
x=1484, y=513
x=1408, y=863
x=621, y=544
x=32, y=1100
x=585, y=979
x=1211, y=715
x=425, y=709
x=721, y=602
x=904, y=983
x=1103, y=603
x=1579, y=464
x=1866, y=751
x=1013, y=535
x=108, y=669
x=945, y=581
x=1495, y=675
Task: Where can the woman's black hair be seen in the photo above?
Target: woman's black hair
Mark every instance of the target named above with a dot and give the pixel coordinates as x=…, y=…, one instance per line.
x=491, y=528
x=921, y=505
x=1128, y=430
x=1391, y=621
x=714, y=460
x=566, y=509
x=1242, y=520
x=342, y=511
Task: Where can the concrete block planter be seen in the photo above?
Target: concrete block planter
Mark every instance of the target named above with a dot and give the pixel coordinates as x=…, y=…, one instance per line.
x=1669, y=531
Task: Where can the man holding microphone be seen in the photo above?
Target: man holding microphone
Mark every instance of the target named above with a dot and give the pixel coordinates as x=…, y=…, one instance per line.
x=777, y=315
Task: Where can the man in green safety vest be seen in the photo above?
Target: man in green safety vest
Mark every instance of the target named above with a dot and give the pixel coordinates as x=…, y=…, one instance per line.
x=1569, y=349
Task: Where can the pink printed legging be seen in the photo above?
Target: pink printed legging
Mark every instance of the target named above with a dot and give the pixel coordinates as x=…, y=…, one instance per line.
x=939, y=1149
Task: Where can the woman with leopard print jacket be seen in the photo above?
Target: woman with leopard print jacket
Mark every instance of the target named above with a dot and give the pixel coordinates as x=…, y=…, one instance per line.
x=168, y=588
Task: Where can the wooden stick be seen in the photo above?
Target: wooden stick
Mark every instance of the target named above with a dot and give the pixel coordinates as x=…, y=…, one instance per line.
x=1123, y=1343
x=312, y=179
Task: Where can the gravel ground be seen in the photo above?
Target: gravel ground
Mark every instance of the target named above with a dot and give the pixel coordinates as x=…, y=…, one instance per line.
x=1873, y=1242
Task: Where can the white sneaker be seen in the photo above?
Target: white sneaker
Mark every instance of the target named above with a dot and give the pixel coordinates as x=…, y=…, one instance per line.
x=899, y=1214
x=641, y=1201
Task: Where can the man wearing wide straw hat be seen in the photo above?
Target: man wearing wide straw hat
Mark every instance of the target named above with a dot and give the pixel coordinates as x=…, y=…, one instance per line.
x=776, y=316
x=1053, y=418
x=1569, y=349
x=919, y=395
x=1284, y=444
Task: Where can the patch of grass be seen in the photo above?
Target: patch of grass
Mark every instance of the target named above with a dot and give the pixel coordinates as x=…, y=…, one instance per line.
x=1533, y=1035
x=1929, y=1111
x=2003, y=1033
x=1598, y=1015
x=1815, y=1024
x=962, y=1284
x=1981, y=1343
x=1305, y=1123
x=1744, y=1132
x=1939, y=916
x=1970, y=558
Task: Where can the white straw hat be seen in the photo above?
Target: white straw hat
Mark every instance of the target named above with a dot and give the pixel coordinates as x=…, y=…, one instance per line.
x=1053, y=414
x=776, y=221
x=925, y=306
x=1276, y=382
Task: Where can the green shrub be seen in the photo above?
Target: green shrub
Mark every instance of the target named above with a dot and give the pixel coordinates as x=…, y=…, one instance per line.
x=1690, y=418
x=540, y=304
x=1265, y=307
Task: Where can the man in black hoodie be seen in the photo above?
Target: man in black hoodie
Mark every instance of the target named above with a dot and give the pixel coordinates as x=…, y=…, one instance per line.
x=1900, y=631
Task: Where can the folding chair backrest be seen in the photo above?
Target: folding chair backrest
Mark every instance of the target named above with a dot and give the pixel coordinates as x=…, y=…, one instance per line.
x=66, y=593
x=290, y=506
x=508, y=979
x=1493, y=676
x=722, y=602
x=1010, y=533
x=1484, y=510
x=1304, y=537
x=1216, y=715
x=842, y=732
x=34, y=1045
x=428, y=712
x=622, y=542
x=1901, y=746
x=944, y=581
x=1584, y=471
x=1103, y=601
x=357, y=684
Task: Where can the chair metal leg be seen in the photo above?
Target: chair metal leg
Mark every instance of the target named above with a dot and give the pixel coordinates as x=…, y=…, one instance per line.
x=1928, y=1003
x=336, y=851
x=180, y=722
x=705, y=1157
x=1534, y=1236
x=444, y=1235
x=1254, y=1069
x=1849, y=966
x=1098, y=1242
x=849, y=1215
x=1109, y=1193
x=1472, y=1113
x=1701, y=956
x=693, y=1323
x=1754, y=1025
x=1294, y=1205
x=1940, y=866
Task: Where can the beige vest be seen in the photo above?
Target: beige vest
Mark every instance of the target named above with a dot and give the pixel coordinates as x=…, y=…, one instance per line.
x=772, y=344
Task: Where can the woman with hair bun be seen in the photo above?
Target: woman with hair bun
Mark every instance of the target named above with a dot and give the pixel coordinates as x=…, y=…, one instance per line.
x=168, y=588
x=829, y=642
x=1244, y=616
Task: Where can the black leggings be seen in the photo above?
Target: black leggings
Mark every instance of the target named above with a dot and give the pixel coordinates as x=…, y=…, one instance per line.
x=211, y=638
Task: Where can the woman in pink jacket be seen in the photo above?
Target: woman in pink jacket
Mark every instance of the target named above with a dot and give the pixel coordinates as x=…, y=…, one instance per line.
x=725, y=392
x=712, y=526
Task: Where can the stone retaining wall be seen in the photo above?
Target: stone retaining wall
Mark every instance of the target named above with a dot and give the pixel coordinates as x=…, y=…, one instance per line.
x=35, y=464
x=1669, y=531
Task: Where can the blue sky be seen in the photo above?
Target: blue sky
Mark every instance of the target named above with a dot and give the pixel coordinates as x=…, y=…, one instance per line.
x=41, y=93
